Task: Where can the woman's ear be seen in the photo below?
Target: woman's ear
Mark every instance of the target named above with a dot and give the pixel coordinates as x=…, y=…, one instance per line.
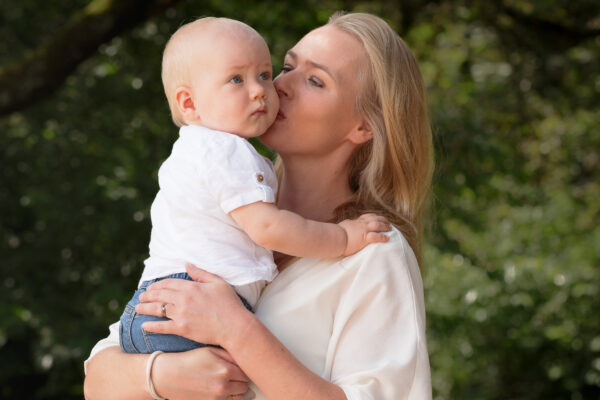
x=361, y=133
x=185, y=104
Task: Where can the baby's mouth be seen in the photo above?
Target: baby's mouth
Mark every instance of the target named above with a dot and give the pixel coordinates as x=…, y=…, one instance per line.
x=260, y=110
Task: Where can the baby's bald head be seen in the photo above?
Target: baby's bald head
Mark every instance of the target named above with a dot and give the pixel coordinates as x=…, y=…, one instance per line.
x=191, y=43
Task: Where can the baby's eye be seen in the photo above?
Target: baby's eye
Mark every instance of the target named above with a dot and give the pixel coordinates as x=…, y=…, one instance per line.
x=265, y=76
x=236, y=79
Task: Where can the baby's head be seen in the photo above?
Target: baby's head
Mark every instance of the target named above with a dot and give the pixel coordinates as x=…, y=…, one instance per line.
x=217, y=73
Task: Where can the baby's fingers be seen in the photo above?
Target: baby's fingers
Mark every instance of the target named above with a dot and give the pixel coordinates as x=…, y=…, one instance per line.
x=379, y=226
x=373, y=217
x=374, y=237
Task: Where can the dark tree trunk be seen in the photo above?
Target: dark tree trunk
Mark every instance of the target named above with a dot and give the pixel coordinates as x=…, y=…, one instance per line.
x=43, y=70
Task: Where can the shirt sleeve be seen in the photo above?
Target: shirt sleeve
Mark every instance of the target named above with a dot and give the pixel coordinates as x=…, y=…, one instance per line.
x=378, y=348
x=237, y=175
x=111, y=340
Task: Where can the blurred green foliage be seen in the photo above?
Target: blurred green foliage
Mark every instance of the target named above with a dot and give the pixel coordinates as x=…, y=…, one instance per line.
x=513, y=257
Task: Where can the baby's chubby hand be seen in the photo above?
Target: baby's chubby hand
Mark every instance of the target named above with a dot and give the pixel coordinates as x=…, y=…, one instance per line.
x=364, y=230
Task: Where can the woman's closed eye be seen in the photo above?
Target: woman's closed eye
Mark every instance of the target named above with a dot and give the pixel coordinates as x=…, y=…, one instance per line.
x=313, y=80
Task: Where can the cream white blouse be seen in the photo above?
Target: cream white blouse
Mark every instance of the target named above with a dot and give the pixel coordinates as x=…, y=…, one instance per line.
x=358, y=321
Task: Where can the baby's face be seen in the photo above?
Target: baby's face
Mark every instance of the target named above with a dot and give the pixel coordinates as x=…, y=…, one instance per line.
x=232, y=85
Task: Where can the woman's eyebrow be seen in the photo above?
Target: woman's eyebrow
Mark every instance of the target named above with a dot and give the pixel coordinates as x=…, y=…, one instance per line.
x=294, y=56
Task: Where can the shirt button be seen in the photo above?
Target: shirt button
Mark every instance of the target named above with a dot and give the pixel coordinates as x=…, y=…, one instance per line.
x=259, y=177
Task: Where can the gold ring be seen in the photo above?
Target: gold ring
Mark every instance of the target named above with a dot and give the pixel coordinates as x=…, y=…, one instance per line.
x=163, y=310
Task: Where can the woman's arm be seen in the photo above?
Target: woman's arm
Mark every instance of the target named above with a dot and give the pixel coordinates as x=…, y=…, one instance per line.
x=253, y=347
x=110, y=369
x=205, y=373
x=289, y=378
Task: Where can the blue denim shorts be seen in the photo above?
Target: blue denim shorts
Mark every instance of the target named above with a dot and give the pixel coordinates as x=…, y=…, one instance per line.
x=134, y=339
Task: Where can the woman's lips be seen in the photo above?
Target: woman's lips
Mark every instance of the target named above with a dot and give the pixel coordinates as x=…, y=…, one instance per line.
x=280, y=115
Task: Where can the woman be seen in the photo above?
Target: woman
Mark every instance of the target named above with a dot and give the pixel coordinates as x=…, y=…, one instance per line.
x=353, y=137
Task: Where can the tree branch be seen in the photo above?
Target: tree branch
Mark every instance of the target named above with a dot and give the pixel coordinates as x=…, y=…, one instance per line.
x=43, y=70
x=569, y=34
x=575, y=34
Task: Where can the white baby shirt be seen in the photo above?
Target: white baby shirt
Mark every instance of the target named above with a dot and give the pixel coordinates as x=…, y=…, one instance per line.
x=208, y=174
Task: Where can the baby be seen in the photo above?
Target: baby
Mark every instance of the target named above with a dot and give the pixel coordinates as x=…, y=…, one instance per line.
x=215, y=207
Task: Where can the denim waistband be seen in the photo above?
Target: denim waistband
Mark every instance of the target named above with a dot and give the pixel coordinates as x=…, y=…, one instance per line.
x=179, y=275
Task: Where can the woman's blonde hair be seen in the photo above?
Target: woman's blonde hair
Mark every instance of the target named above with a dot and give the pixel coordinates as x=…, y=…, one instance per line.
x=391, y=174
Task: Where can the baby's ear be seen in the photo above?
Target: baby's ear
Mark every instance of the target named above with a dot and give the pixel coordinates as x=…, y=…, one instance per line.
x=185, y=103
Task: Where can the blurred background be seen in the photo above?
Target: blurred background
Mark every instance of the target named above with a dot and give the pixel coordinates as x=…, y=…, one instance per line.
x=512, y=274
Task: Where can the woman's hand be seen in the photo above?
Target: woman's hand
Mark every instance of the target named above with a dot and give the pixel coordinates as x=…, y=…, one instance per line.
x=206, y=310
x=205, y=373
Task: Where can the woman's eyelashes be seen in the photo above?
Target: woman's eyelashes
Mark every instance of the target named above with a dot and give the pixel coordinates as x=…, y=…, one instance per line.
x=313, y=80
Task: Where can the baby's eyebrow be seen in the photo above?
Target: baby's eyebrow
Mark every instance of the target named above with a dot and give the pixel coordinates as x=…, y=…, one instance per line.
x=294, y=56
x=243, y=66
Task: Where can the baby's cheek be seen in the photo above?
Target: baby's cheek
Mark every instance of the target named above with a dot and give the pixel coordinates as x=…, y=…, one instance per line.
x=274, y=99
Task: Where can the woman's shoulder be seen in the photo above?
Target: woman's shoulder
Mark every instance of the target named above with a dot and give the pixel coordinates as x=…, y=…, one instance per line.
x=389, y=265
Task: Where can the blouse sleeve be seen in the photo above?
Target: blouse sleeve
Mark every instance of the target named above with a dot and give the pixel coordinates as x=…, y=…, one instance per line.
x=378, y=348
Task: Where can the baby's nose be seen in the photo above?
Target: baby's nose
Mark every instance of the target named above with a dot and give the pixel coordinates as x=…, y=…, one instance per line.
x=258, y=92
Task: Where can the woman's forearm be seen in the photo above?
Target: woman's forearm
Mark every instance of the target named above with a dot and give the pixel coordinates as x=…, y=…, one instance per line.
x=112, y=374
x=204, y=373
x=272, y=367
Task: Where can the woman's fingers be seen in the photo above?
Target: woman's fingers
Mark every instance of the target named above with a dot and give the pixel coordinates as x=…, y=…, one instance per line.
x=234, y=372
x=200, y=275
x=171, y=283
x=237, y=388
x=155, y=309
x=165, y=327
x=223, y=354
x=158, y=295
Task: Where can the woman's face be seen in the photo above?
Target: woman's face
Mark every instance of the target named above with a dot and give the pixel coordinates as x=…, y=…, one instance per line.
x=317, y=89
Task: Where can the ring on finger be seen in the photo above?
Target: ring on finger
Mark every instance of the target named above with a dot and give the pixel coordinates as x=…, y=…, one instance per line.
x=163, y=310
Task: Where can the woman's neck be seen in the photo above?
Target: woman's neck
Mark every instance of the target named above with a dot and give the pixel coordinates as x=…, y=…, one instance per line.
x=313, y=188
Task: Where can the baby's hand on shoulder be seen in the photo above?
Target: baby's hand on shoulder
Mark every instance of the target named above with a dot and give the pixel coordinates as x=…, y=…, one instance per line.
x=364, y=230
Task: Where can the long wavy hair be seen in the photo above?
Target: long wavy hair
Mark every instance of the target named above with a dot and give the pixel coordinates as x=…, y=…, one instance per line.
x=390, y=174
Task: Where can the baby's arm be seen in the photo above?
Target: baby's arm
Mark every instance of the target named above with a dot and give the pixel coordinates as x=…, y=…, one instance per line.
x=289, y=233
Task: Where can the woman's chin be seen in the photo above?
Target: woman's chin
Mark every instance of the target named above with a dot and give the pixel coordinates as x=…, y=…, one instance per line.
x=269, y=137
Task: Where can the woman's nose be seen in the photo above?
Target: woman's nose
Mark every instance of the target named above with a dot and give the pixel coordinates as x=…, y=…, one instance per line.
x=282, y=86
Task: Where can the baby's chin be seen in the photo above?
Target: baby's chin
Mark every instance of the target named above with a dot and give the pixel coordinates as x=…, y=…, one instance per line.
x=256, y=128
x=264, y=127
